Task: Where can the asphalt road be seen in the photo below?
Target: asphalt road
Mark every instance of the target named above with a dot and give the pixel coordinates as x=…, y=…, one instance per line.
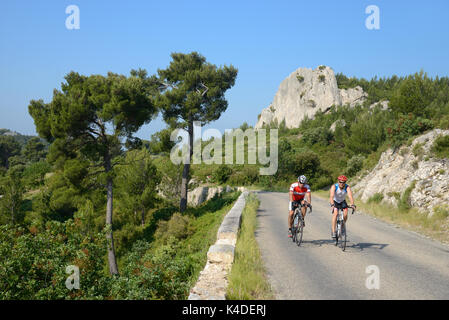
x=381, y=261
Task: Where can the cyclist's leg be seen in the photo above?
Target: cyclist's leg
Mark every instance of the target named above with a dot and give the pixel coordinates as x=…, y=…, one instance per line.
x=303, y=210
x=290, y=215
x=345, y=211
x=290, y=219
x=334, y=219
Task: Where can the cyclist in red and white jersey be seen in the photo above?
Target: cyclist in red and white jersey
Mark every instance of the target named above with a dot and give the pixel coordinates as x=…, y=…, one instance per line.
x=298, y=191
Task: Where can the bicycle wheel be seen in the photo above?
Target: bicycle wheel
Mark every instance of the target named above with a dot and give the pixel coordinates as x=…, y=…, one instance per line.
x=343, y=236
x=295, y=225
x=299, y=230
x=337, y=231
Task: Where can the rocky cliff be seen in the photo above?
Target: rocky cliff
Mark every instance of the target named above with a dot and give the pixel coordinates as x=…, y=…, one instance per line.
x=305, y=92
x=411, y=167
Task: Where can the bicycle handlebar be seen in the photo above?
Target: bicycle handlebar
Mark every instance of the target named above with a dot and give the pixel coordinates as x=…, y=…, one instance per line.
x=299, y=204
x=353, y=207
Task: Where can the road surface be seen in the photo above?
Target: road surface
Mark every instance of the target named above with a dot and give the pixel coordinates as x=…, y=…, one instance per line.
x=381, y=261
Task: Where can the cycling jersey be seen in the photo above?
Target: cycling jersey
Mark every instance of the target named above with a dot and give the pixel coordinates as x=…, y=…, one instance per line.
x=340, y=194
x=299, y=193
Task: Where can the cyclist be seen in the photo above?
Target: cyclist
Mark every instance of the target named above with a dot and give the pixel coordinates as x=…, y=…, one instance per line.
x=298, y=191
x=338, y=194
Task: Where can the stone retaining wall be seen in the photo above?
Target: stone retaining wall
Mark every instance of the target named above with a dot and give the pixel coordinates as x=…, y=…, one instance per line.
x=213, y=280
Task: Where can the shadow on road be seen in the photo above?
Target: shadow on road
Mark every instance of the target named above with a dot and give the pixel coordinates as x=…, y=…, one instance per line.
x=260, y=213
x=363, y=246
x=359, y=246
x=318, y=243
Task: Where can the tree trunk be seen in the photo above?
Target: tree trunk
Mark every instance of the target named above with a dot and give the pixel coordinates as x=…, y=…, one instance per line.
x=143, y=217
x=113, y=269
x=186, y=171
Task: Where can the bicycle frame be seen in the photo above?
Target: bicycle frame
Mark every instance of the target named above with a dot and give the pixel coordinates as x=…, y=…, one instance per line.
x=340, y=228
x=298, y=222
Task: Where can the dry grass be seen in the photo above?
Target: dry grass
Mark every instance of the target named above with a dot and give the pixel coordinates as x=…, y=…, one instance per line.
x=247, y=280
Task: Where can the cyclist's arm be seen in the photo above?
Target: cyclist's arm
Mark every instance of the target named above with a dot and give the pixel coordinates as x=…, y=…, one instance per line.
x=351, y=199
x=291, y=196
x=309, y=197
x=332, y=193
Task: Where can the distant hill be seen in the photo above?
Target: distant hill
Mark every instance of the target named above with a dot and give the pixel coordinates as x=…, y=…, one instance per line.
x=20, y=138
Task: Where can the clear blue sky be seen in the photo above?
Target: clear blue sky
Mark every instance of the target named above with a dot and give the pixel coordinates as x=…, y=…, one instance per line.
x=265, y=40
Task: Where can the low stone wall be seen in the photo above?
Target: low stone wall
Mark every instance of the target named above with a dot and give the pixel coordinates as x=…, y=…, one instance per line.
x=213, y=280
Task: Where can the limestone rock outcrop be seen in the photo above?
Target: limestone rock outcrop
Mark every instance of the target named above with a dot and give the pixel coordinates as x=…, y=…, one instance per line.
x=305, y=92
x=200, y=194
x=410, y=166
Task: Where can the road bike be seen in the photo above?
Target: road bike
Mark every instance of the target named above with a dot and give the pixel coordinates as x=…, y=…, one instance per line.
x=340, y=228
x=298, y=222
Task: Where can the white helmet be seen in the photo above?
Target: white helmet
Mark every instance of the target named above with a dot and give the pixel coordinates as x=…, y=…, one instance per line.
x=302, y=179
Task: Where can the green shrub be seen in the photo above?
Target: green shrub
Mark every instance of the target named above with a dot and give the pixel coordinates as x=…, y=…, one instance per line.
x=222, y=174
x=178, y=227
x=396, y=195
x=405, y=127
x=440, y=212
x=321, y=182
x=418, y=149
x=319, y=135
x=440, y=147
x=154, y=274
x=355, y=164
x=300, y=78
x=404, y=202
x=322, y=78
x=33, y=262
x=246, y=176
x=34, y=174
x=403, y=151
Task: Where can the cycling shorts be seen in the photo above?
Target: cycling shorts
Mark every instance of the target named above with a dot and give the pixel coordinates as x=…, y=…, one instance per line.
x=340, y=205
x=290, y=204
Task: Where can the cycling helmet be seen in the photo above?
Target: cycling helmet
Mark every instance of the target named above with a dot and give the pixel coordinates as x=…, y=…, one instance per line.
x=342, y=178
x=302, y=179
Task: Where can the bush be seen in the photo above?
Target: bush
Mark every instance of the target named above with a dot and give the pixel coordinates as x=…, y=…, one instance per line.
x=321, y=182
x=153, y=274
x=177, y=227
x=222, y=174
x=404, y=202
x=306, y=163
x=440, y=147
x=247, y=176
x=418, y=149
x=34, y=174
x=405, y=127
x=33, y=262
x=320, y=135
x=413, y=95
x=355, y=164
